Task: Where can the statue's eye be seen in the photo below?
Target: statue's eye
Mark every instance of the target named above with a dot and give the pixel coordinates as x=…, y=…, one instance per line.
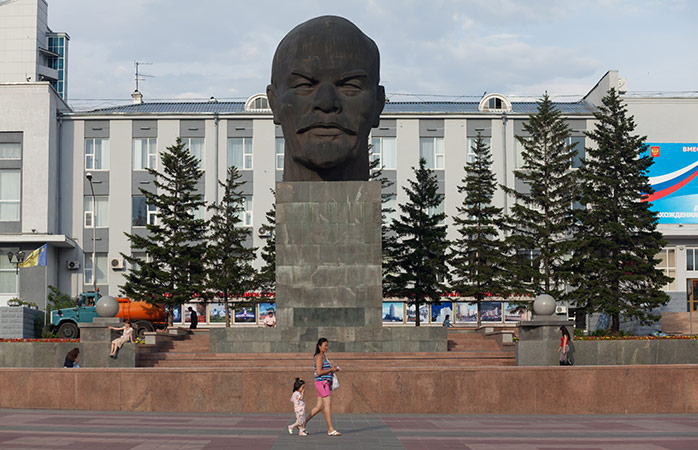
x=302, y=84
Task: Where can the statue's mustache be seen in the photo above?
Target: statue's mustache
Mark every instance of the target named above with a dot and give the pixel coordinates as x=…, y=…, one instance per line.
x=314, y=123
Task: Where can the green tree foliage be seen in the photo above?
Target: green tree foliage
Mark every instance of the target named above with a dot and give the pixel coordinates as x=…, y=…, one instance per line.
x=479, y=260
x=541, y=220
x=266, y=277
x=58, y=300
x=615, y=260
x=418, y=264
x=228, y=259
x=173, y=271
x=387, y=236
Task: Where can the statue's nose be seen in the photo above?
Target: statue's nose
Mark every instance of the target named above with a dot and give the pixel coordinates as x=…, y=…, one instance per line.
x=326, y=99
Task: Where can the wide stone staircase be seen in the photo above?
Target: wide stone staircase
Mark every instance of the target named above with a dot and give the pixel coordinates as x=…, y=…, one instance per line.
x=467, y=348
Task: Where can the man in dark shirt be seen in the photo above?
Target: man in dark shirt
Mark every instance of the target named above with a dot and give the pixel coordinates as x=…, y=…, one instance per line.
x=194, y=318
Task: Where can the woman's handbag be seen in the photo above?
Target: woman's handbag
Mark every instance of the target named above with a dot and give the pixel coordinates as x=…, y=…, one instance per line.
x=335, y=382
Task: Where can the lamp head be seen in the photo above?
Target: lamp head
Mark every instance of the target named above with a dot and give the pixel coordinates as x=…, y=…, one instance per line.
x=20, y=256
x=10, y=255
x=88, y=175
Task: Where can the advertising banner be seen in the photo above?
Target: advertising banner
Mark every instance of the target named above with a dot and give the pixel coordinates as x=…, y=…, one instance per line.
x=675, y=197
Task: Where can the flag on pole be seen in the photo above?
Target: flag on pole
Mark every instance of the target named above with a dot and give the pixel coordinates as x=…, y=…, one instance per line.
x=35, y=258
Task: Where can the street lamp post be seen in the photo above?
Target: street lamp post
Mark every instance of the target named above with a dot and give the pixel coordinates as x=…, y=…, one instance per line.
x=16, y=259
x=88, y=175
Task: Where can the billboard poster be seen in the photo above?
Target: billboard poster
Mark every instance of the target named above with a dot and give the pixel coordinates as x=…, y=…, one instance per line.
x=491, y=311
x=440, y=311
x=393, y=312
x=675, y=197
x=216, y=312
x=466, y=312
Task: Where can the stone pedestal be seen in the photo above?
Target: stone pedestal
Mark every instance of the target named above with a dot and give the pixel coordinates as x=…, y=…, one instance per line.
x=539, y=340
x=19, y=322
x=95, y=343
x=328, y=276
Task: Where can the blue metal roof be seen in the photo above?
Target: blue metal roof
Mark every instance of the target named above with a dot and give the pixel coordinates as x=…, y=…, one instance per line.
x=581, y=107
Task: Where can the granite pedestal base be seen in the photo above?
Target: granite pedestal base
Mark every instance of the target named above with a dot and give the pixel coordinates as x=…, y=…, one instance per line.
x=328, y=276
x=539, y=340
x=95, y=343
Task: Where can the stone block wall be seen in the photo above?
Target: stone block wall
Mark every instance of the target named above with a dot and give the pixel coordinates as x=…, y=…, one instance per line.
x=17, y=322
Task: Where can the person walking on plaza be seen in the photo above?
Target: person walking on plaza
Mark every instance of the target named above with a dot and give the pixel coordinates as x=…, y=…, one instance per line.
x=194, y=318
x=564, y=349
x=323, y=385
x=71, y=359
x=125, y=337
x=447, y=321
x=298, y=407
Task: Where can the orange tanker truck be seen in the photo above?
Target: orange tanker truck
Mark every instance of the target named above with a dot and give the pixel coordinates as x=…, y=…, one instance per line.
x=143, y=316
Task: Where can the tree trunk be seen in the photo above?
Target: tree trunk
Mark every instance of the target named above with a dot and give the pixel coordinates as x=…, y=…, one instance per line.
x=615, y=323
x=479, y=314
x=416, y=309
x=227, y=311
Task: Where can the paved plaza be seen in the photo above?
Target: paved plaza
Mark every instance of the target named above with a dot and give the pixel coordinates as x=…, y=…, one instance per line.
x=43, y=429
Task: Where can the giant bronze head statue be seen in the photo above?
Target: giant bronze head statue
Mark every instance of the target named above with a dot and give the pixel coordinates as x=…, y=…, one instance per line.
x=324, y=93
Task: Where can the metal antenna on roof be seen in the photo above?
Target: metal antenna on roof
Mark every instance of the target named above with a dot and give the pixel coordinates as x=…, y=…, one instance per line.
x=139, y=76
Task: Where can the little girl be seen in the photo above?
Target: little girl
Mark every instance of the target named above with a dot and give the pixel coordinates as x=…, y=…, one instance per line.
x=298, y=407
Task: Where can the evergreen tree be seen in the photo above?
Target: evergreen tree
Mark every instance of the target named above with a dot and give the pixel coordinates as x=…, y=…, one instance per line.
x=228, y=260
x=541, y=220
x=266, y=277
x=479, y=260
x=387, y=236
x=172, y=272
x=419, y=261
x=618, y=240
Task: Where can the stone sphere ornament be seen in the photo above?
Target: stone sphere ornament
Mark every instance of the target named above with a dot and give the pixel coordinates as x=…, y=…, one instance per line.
x=107, y=306
x=544, y=305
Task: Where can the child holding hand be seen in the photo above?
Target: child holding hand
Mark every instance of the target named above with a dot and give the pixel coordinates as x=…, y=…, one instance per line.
x=298, y=407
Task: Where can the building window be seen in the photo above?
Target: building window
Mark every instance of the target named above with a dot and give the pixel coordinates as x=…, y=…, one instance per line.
x=246, y=215
x=8, y=275
x=10, y=191
x=102, y=264
x=257, y=102
x=10, y=150
x=383, y=150
x=138, y=212
x=199, y=213
x=439, y=209
x=470, y=153
x=98, y=216
x=667, y=263
x=196, y=148
x=144, y=153
x=578, y=159
x=96, y=154
x=432, y=150
x=240, y=153
x=691, y=258
x=519, y=148
x=279, y=153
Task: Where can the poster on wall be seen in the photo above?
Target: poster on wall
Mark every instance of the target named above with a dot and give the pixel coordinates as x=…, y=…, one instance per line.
x=245, y=314
x=423, y=313
x=199, y=308
x=216, y=312
x=491, y=311
x=393, y=312
x=264, y=309
x=176, y=313
x=510, y=313
x=675, y=196
x=466, y=312
x=440, y=311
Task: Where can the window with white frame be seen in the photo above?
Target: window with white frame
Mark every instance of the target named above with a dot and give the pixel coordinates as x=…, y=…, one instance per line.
x=10, y=194
x=8, y=274
x=152, y=215
x=383, y=150
x=519, y=149
x=439, y=209
x=667, y=263
x=139, y=211
x=432, y=150
x=470, y=153
x=96, y=154
x=578, y=160
x=279, y=153
x=102, y=265
x=195, y=146
x=10, y=150
x=246, y=214
x=691, y=258
x=240, y=153
x=144, y=153
x=199, y=213
x=96, y=212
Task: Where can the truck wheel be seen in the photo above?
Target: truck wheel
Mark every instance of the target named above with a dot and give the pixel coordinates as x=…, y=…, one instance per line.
x=141, y=327
x=68, y=330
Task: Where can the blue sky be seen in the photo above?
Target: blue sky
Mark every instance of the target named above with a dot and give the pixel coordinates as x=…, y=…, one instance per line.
x=443, y=50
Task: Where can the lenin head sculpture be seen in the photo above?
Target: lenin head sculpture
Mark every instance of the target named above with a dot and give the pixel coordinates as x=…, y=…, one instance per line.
x=324, y=93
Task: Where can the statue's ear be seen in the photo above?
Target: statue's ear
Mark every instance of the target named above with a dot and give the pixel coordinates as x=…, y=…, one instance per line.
x=380, y=104
x=271, y=97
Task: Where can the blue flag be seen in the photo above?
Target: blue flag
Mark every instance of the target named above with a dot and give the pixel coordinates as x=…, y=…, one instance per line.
x=35, y=258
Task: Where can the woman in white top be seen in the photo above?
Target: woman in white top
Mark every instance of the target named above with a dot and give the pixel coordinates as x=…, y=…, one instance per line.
x=125, y=337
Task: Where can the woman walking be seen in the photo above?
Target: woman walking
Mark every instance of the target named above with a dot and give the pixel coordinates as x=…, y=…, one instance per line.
x=323, y=385
x=564, y=347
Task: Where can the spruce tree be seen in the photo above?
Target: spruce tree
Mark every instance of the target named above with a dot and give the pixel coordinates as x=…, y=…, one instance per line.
x=479, y=261
x=541, y=221
x=172, y=272
x=266, y=277
x=418, y=263
x=228, y=258
x=615, y=260
x=387, y=236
